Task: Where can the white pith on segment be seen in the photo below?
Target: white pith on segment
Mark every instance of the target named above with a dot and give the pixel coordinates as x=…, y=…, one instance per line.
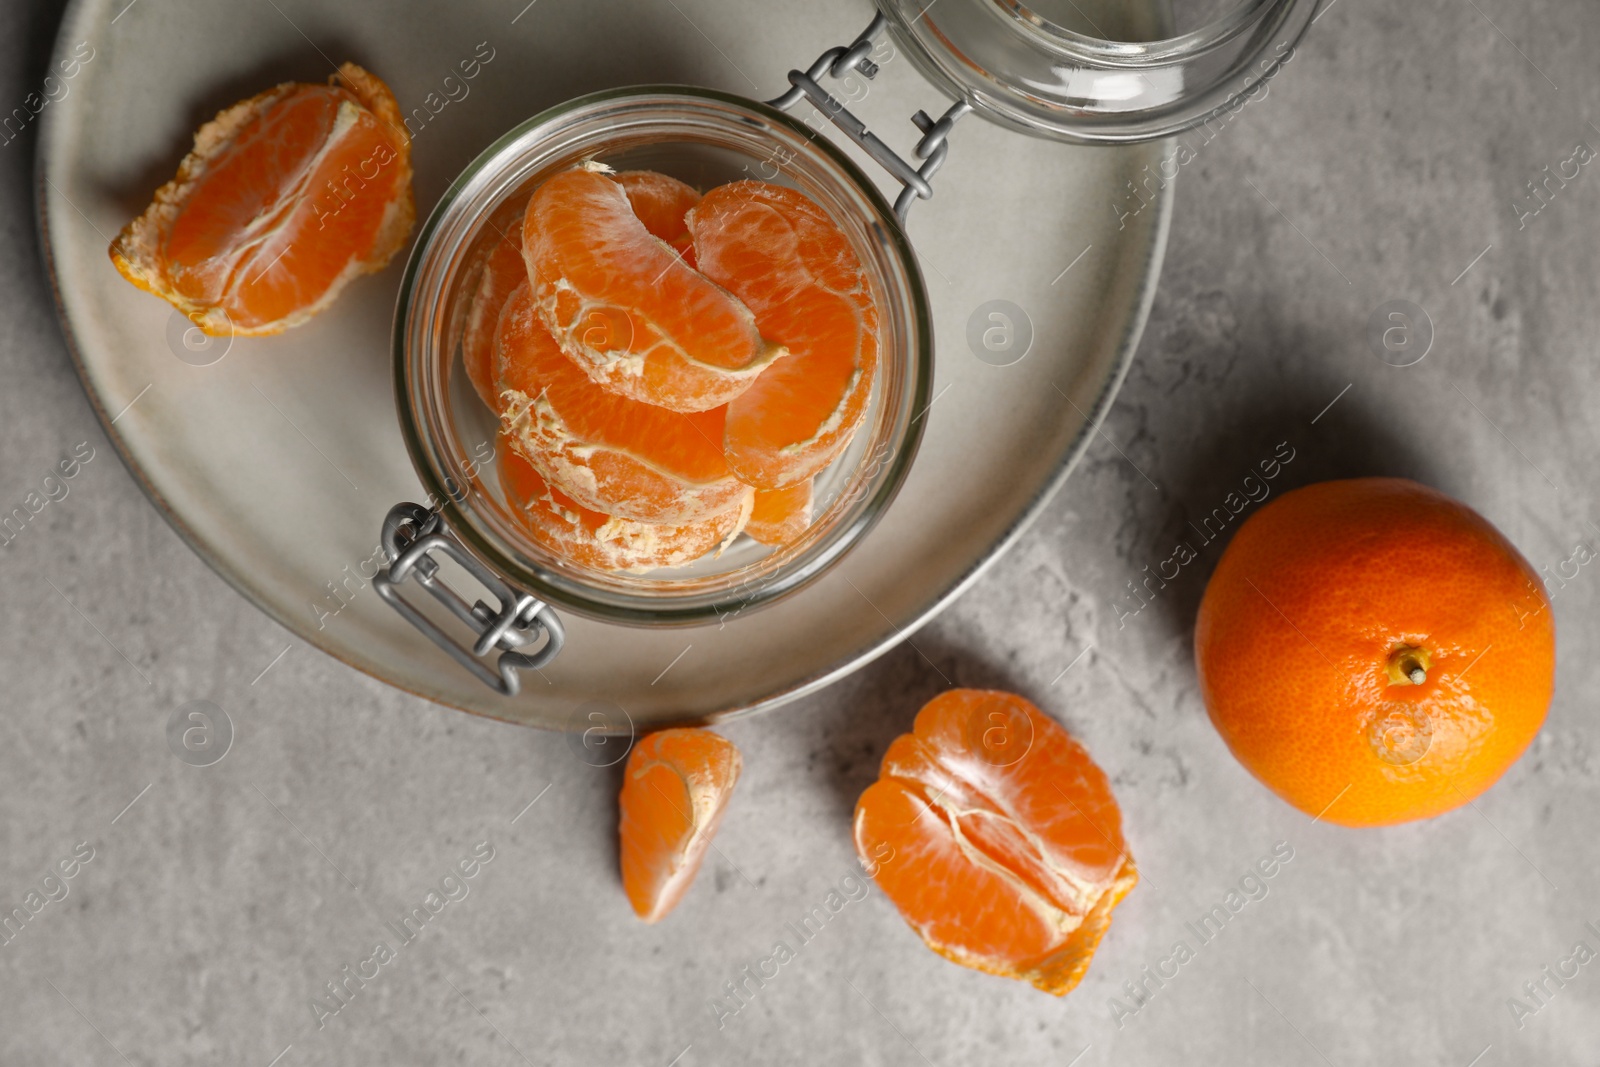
x=606, y=364
x=560, y=456
x=616, y=241
x=139, y=253
x=626, y=543
x=952, y=791
x=1072, y=886
x=833, y=424
x=629, y=545
x=723, y=228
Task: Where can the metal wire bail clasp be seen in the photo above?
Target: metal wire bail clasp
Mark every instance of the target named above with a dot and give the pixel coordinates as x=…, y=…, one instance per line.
x=931, y=149
x=411, y=534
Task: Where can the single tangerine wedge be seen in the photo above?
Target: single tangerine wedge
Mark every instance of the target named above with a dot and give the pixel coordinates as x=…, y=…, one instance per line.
x=997, y=838
x=660, y=202
x=591, y=539
x=780, y=515
x=503, y=271
x=674, y=792
x=607, y=452
x=284, y=198
x=780, y=253
x=628, y=309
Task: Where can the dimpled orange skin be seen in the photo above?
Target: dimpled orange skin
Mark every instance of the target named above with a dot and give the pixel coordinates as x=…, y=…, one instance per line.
x=997, y=838
x=1304, y=615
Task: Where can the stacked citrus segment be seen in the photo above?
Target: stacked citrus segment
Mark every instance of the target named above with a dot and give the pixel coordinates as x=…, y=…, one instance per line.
x=669, y=369
x=503, y=272
x=674, y=791
x=778, y=516
x=997, y=838
x=660, y=202
x=605, y=542
x=605, y=450
x=781, y=254
x=284, y=199
x=627, y=308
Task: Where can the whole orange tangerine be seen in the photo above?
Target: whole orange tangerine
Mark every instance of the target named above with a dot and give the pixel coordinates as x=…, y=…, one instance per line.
x=1374, y=651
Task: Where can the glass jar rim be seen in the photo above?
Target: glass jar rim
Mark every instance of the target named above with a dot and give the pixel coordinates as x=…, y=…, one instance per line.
x=566, y=592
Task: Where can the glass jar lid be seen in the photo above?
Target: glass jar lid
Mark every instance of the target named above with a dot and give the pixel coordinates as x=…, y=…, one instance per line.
x=1054, y=70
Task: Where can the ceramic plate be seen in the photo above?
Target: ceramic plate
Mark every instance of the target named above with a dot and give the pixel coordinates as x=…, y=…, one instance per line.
x=278, y=460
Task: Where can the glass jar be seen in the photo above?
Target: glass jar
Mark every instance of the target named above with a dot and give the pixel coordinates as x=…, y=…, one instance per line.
x=997, y=57
x=705, y=138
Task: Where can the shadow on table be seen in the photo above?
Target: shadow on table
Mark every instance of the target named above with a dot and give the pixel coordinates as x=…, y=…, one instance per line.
x=1264, y=445
x=881, y=702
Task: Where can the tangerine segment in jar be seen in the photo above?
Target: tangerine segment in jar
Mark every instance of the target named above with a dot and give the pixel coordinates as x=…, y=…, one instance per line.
x=782, y=255
x=674, y=792
x=1374, y=651
x=590, y=539
x=284, y=198
x=627, y=308
x=503, y=272
x=660, y=202
x=1005, y=842
x=607, y=452
x=780, y=515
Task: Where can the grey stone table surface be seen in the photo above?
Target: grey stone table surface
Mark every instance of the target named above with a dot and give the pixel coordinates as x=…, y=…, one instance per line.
x=209, y=906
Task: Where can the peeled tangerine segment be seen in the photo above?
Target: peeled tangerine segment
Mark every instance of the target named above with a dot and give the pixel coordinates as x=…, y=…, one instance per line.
x=997, y=838
x=607, y=452
x=284, y=198
x=783, y=256
x=603, y=542
x=660, y=202
x=674, y=792
x=503, y=272
x=626, y=307
x=780, y=515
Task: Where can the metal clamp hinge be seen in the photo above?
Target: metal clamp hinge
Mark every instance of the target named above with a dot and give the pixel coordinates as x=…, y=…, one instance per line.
x=931, y=149
x=411, y=534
